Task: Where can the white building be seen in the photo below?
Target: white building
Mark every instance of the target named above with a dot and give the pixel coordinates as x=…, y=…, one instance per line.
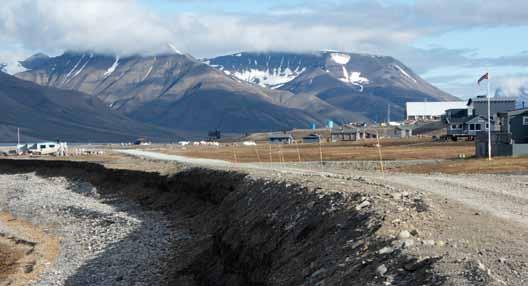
x=431, y=110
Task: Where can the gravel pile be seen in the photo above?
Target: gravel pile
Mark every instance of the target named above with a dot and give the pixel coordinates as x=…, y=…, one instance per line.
x=104, y=241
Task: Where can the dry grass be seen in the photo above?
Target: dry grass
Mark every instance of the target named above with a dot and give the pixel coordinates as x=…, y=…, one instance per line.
x=366, y=150
x=497, y=165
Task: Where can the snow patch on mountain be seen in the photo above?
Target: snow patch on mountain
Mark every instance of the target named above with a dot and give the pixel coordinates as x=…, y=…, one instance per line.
x=268, y=78
x=405, y=73
x=354, y=78
x=81, y=69
x=148, y=73
x=341, y=59
x=174, y=49
x=112, y=69
x=68, y=75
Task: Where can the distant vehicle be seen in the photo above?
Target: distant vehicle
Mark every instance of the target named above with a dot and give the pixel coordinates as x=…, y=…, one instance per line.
x=142, y=142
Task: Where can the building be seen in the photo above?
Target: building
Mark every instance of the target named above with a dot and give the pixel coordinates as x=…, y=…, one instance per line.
x=479, y=105
x=281, y=138
x=352, y=135
x=467, y=122
x=404, y=131
x=515, y=123
x=312, y=138
x=510, y=140
x=214, y=135
x=430, y=110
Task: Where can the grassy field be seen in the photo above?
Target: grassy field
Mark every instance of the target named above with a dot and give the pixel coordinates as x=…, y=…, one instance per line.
x=507, y=165
x=410, y=149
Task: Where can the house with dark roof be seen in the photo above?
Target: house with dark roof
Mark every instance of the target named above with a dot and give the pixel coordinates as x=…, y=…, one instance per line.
x=516, y=123
x=510, y=140
x=281, y=138
x=467, y=122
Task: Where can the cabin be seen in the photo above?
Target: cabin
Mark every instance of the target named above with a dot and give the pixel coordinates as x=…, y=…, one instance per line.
x=352, y=135
x=281, y=139
x=404, y=131
x=44, y=148
x=312, y=138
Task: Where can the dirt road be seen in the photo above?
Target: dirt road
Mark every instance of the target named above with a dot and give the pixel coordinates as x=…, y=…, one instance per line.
x=504, y=196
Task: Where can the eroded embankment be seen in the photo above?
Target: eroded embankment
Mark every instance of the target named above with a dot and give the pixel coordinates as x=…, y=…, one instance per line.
x=245, y=231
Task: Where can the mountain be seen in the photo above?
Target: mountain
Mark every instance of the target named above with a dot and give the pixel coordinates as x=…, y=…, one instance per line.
x=176, y=91
x=359, y=84
x=44, y=113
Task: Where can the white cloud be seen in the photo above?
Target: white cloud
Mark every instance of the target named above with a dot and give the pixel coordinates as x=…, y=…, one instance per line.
x=125, y=27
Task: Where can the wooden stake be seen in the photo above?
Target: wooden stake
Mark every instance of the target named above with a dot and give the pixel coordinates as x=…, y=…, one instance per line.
x=234, y=153
x=320, y=152
x=270, y=156
x=281, y=156
x=258, y=156
x=298, y=151
x=380, y=155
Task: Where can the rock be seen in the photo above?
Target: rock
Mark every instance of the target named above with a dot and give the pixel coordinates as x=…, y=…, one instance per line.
x=407, y=243
x=386, y=250
x=397, y=196
x=428, y=242
x=381, y=270
x=502, y=260
x=318, y=272
x=363, y=205
x=414, y=232
x=28, y=268
x=440, y=243
x=481, y=266
x=404, y=234
x=414, y=264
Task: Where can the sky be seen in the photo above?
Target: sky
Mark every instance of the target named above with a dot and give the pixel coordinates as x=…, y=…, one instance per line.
x=450, y=43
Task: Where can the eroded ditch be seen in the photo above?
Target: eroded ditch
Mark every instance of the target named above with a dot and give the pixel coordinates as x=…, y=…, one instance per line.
x=246, y=231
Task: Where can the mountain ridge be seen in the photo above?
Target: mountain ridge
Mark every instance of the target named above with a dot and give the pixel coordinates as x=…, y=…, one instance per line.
x=46, y=113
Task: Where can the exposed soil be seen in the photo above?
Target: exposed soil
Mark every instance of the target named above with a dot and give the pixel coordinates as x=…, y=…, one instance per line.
x=25, y=251
x=8, y=260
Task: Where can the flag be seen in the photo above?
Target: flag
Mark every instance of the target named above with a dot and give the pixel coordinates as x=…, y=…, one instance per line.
x=486, y=76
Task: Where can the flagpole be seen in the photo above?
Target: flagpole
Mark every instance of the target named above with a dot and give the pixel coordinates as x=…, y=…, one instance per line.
x=489, y=119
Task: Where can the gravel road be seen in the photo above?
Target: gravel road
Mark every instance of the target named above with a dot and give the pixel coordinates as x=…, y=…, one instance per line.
x=103, y=241
x=504, y=196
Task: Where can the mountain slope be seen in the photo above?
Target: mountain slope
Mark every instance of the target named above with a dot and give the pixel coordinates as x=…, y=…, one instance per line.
x=357, y=83
x=171, y=90
x=47, y=114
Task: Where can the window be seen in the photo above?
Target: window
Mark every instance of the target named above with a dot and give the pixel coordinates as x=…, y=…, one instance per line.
x=471, y=127
x=454, y=126
x=478, y=127
x=525, y=120
x=52, y=146
x=42, y=146
x=460, y=126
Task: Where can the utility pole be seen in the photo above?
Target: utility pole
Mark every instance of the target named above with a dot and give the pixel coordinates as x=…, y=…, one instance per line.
x=388, y=114
x=489, y=118
x=18, y=136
